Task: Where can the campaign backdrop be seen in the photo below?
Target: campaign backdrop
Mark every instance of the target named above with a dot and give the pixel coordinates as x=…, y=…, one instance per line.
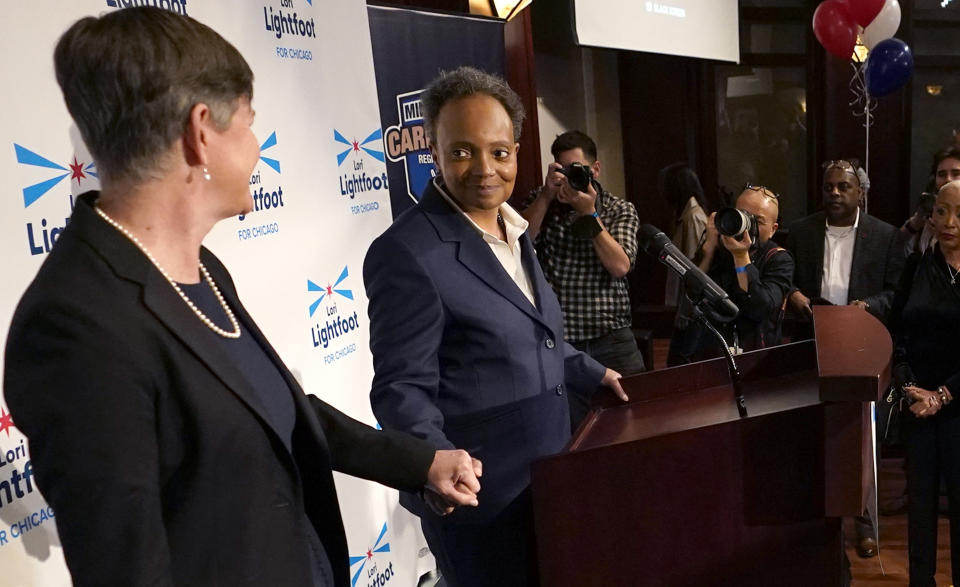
x=320, y=195
x=410, y=48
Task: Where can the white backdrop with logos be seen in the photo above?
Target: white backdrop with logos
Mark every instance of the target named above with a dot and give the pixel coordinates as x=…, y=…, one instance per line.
x=320, y=198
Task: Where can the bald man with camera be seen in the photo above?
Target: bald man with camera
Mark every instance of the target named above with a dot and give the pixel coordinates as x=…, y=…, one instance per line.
x=738, y=254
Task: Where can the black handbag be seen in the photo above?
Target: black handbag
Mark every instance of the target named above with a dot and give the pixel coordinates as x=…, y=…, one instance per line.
x=891, y=416
x=890, y=410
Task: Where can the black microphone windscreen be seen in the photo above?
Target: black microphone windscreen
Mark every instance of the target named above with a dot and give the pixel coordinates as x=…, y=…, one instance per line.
x=652, y=239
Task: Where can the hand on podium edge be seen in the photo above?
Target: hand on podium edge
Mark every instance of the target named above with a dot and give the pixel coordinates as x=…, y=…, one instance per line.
x=452, y=481
x=612, y=380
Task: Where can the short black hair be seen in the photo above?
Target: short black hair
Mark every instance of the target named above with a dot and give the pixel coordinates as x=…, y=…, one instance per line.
x=131, y=77
x=574, y=139
x=939, y=156
x=468, y=81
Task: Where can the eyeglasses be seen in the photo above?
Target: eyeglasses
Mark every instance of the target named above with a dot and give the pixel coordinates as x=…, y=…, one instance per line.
x=847, y=165
x=765, y=191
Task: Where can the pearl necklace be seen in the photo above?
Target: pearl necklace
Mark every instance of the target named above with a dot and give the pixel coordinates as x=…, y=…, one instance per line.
x=203, y=317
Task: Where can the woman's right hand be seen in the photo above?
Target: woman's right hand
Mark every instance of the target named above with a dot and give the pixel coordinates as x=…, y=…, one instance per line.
x=926, y=403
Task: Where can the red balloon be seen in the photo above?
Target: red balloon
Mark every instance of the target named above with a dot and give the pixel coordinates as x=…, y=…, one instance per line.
x=864, y=11
x=835, y=28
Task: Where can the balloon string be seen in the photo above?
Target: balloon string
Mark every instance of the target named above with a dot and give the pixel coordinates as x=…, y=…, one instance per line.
x=866, y=161
x=862, y=105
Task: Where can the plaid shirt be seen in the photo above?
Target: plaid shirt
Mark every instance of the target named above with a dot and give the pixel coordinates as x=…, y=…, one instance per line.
x=594, y=303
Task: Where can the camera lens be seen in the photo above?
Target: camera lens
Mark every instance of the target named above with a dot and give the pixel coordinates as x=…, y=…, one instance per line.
x=578, y=176
x=731, y=222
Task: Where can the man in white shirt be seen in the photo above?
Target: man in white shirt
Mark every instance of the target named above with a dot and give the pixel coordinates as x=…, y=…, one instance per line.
x=844, y=256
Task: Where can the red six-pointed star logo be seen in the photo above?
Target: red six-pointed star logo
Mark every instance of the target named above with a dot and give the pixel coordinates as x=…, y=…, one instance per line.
x=6, y=422
x=77, y=170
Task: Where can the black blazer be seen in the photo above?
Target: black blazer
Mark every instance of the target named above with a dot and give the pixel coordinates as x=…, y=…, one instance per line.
x=150, y=446
x=877, y=260
x=924, y=322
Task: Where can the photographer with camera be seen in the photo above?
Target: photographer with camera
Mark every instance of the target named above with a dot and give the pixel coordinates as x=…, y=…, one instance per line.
x=586, y=242
x=919, y=228
x=739, y=255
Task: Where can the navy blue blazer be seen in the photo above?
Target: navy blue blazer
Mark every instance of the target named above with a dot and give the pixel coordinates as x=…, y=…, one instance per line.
x=461, y=356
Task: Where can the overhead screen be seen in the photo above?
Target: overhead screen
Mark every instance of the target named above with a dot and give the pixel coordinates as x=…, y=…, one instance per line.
x=691, y=28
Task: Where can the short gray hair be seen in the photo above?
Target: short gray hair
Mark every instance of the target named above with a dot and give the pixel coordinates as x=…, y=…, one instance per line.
x=863, y=179
x=468, y=81
x=131, y=77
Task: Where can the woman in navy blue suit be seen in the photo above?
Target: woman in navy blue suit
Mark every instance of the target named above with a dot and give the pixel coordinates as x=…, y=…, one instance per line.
x=467, y=336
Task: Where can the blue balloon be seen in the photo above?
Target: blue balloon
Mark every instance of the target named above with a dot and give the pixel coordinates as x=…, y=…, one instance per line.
x=889, y=66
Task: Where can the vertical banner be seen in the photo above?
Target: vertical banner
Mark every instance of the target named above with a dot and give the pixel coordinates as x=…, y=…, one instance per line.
x=320, y=194
x=410, y=48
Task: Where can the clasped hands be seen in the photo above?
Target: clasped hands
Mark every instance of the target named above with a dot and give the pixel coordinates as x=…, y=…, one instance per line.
x=452, y=481
x=926, y=403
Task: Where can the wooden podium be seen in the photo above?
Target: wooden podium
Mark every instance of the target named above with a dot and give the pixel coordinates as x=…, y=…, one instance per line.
x=674, y=488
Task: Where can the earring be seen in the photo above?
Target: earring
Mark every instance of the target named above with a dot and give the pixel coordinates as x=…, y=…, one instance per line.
x=206, y=174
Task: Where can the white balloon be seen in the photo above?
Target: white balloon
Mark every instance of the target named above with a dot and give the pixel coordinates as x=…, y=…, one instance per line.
x=884, y=26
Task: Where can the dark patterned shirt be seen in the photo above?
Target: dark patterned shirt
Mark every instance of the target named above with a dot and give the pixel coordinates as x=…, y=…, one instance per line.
x=594, y=302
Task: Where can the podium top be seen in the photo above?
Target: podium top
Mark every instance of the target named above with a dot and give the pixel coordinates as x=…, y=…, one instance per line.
x=849, y=362
x=854, y=351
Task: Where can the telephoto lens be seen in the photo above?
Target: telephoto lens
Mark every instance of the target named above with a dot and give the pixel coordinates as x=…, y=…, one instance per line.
x=733, y=222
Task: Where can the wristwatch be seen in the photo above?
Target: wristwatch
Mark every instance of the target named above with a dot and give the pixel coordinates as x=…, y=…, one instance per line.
x=587, y=227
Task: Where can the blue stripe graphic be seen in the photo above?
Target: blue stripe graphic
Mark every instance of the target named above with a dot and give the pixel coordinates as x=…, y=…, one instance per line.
x=340, y=138
x=32, y=194
x=271, y=141
x=28, y=157
x=378, y=155
x=343, y=275
x=272, y=163
x=374, y=136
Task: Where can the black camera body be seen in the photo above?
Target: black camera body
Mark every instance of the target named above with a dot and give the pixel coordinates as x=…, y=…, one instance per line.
x=579, y=176
x=735, y=223
x=925, y=207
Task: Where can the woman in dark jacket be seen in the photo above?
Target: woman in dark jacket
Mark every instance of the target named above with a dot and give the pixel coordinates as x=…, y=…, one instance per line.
x=926, y=321
x=173, y=443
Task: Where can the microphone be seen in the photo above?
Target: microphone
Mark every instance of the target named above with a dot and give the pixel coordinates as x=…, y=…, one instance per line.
x=700, y=288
